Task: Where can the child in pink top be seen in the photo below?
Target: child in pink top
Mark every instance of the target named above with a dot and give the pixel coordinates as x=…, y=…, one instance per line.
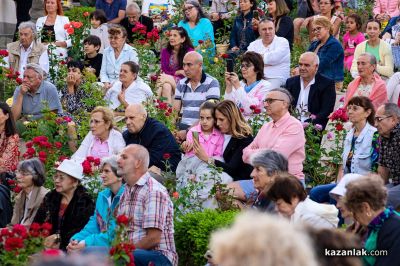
x=351, y=38
x=209, y=137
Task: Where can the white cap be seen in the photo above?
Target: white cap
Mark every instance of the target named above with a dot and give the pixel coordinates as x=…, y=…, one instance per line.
x=71, y=168
x=340, y=188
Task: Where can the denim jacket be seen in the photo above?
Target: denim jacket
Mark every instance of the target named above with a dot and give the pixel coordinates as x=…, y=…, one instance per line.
x=99, y=231
x=242, y=33
x=331, y=58
x=361, y=162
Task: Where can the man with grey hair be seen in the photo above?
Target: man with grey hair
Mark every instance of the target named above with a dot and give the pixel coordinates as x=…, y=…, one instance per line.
x=191, y=91
x=314, y=95
x=132, y=17
x=27, y=50
x=284, y=134
x=34, y=94
x=149, y=208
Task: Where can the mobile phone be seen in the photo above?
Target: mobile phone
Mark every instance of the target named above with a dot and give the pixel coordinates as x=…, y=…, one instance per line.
x=256, y=15
x=229, y=65
x=195, y=135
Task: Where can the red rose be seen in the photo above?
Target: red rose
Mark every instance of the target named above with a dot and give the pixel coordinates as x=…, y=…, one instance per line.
x=339, y=127
x=257, y=111
x=87, y=168
x=175, y=195
x=170, y=110
x=29, y=144
x=3, y=53
x=58, y=144
x=52, y=253
x=70, y=31
x=86, y=14
x=97, y=161
x=17, y=189
x=154, y=78
x=166, y=156
x=142, y=42
x=30, y=151
x=67, y=26
x=4, y=232
x=67, y=119
x=47, y=226
x=122, y=219
x=241, y=110
x=90, y=159
x=253, y=106
x=42, y=154
x=13, y=243
x=112, y=251
x=201, y=41
x=20, y=230
x=34, y=227
x=225, y=56
x=167, y=114
x=42, y=159
x=34, y=233
x=19, y=81
x=11, y=182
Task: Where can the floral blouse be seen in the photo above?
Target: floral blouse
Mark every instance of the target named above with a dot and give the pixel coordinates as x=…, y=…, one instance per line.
x=73, y=102
x=9, y=152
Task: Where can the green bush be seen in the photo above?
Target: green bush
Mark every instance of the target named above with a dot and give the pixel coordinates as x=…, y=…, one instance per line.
x=76, y=13
x=193, y=231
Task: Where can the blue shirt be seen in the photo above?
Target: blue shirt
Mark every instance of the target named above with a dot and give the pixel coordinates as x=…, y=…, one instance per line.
x=202, y=31
x=112, y=9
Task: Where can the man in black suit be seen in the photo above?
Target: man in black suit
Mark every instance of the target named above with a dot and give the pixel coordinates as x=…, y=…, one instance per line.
x=313, y=94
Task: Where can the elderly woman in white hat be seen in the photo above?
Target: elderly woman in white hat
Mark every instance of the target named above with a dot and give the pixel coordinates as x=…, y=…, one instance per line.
x=67, y=207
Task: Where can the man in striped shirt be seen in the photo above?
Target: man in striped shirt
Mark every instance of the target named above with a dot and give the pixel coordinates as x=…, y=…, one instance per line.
x=150, y=211
x=191, y=91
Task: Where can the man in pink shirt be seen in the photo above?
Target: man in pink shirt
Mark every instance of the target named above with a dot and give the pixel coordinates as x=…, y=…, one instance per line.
x=284, y=134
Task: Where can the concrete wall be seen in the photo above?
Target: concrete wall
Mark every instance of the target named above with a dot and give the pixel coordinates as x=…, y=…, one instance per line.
x=7, y=17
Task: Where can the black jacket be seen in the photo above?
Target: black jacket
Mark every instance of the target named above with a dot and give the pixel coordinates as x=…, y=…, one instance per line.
x=321, y=99
x=389, y=239
x=77, y=214
x=285, y=29
x=234, y=165
x=158, y=140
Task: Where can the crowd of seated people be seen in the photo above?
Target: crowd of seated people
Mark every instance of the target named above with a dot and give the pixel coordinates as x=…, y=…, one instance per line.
x=263, y=170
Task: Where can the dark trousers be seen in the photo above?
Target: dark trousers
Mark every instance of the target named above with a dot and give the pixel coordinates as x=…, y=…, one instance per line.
x=23, y=7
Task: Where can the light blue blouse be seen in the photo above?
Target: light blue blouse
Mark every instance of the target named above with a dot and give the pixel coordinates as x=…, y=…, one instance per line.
x=110, y=66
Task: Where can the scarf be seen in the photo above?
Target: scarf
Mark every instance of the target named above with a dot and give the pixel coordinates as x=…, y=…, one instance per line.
x=373, y=230
x=248, y=88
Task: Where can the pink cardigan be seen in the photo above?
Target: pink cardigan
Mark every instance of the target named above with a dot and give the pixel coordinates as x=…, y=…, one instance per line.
x=378, y=94
x=388, y=6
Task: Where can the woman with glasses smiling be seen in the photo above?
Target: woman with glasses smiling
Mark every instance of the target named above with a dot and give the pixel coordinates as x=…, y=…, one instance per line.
x=102, y=140
x=248, y=93
x=30, y=177
x=197, y=25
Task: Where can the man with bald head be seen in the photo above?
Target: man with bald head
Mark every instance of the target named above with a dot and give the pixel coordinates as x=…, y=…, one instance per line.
x=284, y=134
x=132, y=17
x=314, y=95
x=153, y=135
x=149, y=208
x=191, y=91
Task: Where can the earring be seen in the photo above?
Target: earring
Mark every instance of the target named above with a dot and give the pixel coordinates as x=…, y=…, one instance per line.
x=368, y=214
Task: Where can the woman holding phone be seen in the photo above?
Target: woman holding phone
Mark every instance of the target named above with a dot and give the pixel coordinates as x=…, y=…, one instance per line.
x=249, y=93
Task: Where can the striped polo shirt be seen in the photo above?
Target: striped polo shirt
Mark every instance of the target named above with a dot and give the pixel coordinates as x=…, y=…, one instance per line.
x=207, y=89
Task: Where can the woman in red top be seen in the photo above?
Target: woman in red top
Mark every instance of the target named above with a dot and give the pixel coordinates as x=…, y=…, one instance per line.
x=9, y=140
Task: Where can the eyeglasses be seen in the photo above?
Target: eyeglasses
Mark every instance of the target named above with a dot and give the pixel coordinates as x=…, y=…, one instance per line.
x=114, y=37
x=188, y=8
x=23, y=173
x=317, y=29
x=59, y=177
x=379, y=119
x=96, y=122
x=353, y=107
x=271, y=100
x=187, y=64
x=244, y=65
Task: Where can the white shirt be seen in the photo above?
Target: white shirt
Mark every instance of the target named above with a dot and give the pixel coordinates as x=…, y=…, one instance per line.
x=276, y=57
x=227, y=138
x=302, y=102
x=137, y=92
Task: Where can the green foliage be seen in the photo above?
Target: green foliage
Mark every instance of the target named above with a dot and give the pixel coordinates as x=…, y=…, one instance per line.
x=75, y=13
x=299, y=48
x=58, y=68
x=347, y=79
x=193, y=231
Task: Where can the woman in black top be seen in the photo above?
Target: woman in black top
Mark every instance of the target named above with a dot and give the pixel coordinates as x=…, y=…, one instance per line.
x=279, y=11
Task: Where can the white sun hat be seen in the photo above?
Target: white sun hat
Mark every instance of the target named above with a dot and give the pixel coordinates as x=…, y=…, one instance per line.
x=340, y=188
x=71, y=168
